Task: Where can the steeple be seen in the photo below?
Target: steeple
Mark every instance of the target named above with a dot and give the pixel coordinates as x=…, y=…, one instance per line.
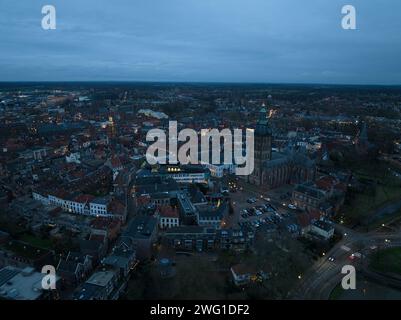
x=263, y=143
x=262, y=126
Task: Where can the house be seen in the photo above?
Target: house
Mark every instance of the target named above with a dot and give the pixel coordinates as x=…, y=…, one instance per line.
x=74, y=268
x=98, y=287
x=95, y=247
x=118, y=210
x=99, y=207
x=122, y=259
x=141, y=234
x=235, y=239
x=322, y=229
x=191, y=238
x=80, y=204
x=213, y=217
x=109, y=227
x=168, y=217
x=244, y=274
x=307, y=196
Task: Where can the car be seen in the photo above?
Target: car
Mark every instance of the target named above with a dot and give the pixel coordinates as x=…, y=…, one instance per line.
x=291, y=206
x=258, y=213
x=355, y=255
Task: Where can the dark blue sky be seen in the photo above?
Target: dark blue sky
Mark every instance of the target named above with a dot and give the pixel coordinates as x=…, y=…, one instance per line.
x=202, y=40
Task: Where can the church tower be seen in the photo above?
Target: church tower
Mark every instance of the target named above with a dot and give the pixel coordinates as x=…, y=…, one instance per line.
x=263, y=146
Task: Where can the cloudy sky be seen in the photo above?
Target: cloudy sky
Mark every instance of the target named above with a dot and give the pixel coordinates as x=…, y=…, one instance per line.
x=285, y=41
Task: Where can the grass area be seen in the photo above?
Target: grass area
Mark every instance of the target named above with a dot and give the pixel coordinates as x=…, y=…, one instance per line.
x=387, y=261
x=364, y=204
x=36, y=241
x=336, y=293
x=384, y=189
x=24, y=249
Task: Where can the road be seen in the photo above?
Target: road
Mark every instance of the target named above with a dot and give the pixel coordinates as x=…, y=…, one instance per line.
x=321, y=279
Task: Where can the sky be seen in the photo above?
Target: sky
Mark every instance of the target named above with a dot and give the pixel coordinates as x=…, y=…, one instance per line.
x=263, y=41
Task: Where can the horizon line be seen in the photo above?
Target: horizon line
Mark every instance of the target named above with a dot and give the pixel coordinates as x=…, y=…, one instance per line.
x=200, y=82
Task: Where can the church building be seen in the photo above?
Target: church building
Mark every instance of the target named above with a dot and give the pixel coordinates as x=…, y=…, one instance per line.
x=275, y=169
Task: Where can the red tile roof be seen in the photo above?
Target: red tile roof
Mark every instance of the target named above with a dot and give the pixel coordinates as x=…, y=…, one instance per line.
x=168, y=212
x=84, y=198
